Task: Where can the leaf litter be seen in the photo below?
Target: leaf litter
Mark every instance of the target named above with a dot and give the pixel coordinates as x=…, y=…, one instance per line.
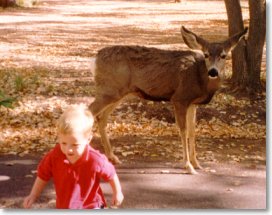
x=49, y=70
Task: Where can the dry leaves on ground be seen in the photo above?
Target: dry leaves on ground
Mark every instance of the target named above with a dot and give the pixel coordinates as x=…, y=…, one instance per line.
x=47, y=67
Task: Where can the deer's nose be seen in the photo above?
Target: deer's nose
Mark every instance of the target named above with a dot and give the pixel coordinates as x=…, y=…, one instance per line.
x=213, y=73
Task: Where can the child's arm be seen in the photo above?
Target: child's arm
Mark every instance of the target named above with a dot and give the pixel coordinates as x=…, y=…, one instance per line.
x=37, y=188
x=118, y=196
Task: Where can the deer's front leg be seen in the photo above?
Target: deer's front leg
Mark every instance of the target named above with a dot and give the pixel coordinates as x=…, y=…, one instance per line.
x=102, y=118
x=102, y=123
x=191, y=126
x=180, y=114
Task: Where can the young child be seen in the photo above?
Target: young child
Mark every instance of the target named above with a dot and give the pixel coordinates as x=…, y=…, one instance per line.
x=76, y=168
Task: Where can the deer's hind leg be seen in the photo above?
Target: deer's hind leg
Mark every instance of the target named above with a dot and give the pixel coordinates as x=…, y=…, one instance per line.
x=101, y=109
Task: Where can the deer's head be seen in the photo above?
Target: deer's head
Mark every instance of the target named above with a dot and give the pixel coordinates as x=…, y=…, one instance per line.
x=215, y=53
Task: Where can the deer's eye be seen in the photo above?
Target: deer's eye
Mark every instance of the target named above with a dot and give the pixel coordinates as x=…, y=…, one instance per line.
x=223, y=56
x=206, y=55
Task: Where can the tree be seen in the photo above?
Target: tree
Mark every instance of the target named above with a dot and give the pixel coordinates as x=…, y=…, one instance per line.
x=247, y=56
x=256, y=40
x=7, y=3
x=3, y=3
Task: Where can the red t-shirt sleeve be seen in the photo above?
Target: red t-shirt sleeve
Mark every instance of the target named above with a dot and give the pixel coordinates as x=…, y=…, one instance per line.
x=107, y=170
x=45, y=167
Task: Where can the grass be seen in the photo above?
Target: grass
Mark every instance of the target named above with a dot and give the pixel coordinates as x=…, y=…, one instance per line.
x=6, y=101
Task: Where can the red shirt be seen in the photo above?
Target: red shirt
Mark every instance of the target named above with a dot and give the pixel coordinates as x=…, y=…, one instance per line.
x=77, y=185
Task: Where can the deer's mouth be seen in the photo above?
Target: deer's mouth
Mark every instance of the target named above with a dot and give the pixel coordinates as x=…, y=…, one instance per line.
x=214, y=78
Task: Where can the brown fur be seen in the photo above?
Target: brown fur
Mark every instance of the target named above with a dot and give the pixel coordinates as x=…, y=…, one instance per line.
x=131, y=63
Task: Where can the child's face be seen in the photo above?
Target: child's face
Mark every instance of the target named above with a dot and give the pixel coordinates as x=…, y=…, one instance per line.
x=73, y=145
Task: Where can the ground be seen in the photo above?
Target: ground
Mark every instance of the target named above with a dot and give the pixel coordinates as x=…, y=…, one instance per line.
x=45, y=63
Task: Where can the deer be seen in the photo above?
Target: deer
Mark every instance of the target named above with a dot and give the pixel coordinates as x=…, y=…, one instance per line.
x=186, y=78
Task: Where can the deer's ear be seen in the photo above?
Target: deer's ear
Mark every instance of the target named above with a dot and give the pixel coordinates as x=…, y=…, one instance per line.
x=192, y=40
x=234, y=40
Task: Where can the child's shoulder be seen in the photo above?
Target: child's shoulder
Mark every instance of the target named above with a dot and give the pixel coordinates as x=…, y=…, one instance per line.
x=55, y=152
x=98, y=161
x=53, y=156
x=96, y=154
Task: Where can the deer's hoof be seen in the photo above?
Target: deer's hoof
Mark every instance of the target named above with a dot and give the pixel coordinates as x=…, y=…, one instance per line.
x=196, y=164
x=190, y=169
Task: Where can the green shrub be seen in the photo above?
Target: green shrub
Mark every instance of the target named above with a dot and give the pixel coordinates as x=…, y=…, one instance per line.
x=6, y=101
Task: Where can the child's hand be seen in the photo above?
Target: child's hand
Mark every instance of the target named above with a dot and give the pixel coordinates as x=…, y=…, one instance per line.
x=28, y=201
x=117, y=199
x=37, y=188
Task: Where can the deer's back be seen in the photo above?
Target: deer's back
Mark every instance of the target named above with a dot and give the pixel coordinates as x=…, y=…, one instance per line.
x=154, y=72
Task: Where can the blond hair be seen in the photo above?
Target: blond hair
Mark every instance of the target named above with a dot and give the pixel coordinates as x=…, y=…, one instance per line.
x=76, y=118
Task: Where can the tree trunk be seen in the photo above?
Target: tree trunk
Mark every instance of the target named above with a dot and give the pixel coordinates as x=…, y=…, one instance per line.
x=247, y=56
x=3, y=3
x=7, y=3
x=239, y=76
x=255, y=43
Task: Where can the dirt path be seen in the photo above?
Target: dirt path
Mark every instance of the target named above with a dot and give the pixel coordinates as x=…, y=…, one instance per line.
x=45, y=61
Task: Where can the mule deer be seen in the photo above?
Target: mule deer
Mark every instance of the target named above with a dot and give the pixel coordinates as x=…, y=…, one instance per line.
x=185, y=78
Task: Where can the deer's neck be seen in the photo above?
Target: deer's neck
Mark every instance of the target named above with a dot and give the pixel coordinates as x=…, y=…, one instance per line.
x=212, y=86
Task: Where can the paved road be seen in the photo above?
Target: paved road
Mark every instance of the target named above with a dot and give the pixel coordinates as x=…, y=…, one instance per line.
x=150, y=186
